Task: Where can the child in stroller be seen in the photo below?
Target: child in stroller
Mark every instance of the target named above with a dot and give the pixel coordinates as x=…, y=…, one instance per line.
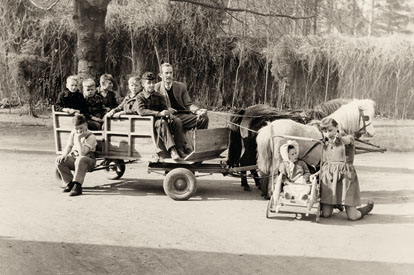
x=293, y=173
x=295, y=190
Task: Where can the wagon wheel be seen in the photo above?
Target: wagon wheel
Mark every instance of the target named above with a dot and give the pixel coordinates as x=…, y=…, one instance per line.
x=115, y=168
x=180, y=184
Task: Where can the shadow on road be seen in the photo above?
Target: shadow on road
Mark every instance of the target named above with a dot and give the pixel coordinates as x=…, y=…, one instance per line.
x=389, y=197
x=31, y=257
x=207, y=190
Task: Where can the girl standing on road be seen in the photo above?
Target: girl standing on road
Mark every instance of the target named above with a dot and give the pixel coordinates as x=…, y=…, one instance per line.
x=339, y=181
x=78, y=155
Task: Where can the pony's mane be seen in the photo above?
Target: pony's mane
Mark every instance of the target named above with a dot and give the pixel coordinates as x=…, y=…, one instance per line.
x=331, y=106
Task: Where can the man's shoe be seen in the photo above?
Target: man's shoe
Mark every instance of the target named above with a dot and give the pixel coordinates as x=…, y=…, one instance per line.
x=77, y=189
x=187, y=150
x=174, y=154
x=68, y=187
x=182, y=153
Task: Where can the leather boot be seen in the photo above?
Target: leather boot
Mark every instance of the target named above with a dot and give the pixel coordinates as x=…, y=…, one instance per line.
x=77, y=190
x=68, y=187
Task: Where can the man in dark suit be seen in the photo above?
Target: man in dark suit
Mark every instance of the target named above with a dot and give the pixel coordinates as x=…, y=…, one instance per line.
x=178, y=100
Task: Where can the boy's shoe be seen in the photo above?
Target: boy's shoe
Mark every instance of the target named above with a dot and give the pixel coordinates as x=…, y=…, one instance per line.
x=68, y=187
x=187, y=150
x=77, y=189
x=174, y=154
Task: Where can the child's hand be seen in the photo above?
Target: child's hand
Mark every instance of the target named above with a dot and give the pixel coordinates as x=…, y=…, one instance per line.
x=164, y=113
x=109, y=114
x=117, y=115
x=62, y=158
x=172, y=110
x=337, y=137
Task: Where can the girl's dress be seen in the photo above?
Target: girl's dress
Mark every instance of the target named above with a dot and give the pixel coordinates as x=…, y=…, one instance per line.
x=339, y=181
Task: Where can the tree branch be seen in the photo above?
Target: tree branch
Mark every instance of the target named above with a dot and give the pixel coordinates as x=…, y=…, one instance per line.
x=244, y=10
x=40, y=7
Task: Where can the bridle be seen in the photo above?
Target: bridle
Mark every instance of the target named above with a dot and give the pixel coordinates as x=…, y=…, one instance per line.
x=363, y=129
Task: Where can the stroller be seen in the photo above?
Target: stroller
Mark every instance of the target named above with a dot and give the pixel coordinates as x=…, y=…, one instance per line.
x=299, y=197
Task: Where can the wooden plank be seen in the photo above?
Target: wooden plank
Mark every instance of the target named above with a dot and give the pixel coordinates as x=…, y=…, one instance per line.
x=211, y=139
x=118, y=125
x=142, y=125
x=200, y=156
x=64, y=121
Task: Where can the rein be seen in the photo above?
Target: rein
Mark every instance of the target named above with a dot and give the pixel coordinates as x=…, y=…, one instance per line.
x=363, y=129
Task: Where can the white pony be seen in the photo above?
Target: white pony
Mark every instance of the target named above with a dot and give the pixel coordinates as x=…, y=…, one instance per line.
x=353, y=118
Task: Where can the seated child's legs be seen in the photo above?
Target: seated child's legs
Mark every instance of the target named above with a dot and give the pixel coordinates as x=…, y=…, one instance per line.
x=327, y=210
x=352, y=213
x=83, y=164
x=65, y=169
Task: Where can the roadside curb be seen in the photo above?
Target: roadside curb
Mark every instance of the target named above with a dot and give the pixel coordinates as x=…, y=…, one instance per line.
x=28, y=151
x=384, y=169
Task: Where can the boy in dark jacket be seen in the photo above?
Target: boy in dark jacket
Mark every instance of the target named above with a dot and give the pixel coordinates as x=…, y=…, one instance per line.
x=71, y=101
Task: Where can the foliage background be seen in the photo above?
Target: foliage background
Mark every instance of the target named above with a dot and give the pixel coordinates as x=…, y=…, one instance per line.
x=351, y=49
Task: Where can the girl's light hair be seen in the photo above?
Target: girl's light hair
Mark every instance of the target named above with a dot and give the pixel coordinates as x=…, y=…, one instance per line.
x=328, y=122
x=88, y=82
x=72, y=78
x=133, y=79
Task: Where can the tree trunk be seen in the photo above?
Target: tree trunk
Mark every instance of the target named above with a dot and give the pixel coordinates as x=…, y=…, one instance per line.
x=89, y=17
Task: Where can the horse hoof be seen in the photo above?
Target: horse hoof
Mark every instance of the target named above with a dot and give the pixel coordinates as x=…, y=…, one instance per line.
x=247, y=188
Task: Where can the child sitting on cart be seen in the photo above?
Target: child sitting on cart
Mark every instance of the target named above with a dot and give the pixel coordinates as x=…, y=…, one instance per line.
x=71, y=100
x=78, y=155
x=293, y=173
x=96, y=108
x=128, y=106
x=169, y=127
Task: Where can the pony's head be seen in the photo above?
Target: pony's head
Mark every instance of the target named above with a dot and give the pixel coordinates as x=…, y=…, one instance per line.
x=355, y=118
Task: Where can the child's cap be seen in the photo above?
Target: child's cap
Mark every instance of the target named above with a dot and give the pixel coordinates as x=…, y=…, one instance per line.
x=284, y=149
x=148, y=76
x=79, y=119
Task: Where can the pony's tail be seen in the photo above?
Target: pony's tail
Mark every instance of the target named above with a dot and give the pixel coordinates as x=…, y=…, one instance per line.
x=264, y=149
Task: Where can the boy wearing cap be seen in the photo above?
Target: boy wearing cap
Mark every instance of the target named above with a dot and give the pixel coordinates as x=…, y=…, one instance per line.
x=169, y=128
x=128, y=105
x=78, y=155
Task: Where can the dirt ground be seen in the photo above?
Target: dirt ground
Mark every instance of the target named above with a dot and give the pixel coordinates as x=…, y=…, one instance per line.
x=129, y=226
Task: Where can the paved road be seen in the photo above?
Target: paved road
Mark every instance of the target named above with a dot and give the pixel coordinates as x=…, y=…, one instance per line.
x=129, y=226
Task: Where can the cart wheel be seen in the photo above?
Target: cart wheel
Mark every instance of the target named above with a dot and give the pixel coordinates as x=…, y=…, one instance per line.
x=180, y=184
x=115, y=169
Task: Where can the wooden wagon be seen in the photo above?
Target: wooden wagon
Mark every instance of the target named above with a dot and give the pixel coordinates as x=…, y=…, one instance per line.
x=132, y=138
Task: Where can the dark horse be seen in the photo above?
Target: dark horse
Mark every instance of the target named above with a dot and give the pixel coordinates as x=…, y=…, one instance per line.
x=243, y=133
x=246, y=123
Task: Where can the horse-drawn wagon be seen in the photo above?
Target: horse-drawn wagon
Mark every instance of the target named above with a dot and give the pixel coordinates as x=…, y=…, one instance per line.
x=132, y=138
